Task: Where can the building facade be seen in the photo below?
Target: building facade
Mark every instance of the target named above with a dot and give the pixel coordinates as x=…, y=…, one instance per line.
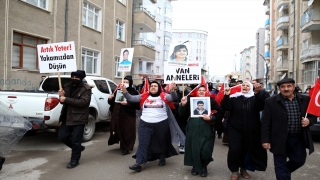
x=260, y=67
x=196, y=42
x=248, y=62
x=99, y=29
x=294, y=41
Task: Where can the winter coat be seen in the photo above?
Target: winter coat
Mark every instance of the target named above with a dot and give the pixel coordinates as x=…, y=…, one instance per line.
x=75, y=108
x=274, y=128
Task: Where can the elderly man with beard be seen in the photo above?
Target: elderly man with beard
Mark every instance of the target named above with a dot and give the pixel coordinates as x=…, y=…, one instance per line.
x=75, y=97
x=285, y=129
x=200, y=135
x=158, y=128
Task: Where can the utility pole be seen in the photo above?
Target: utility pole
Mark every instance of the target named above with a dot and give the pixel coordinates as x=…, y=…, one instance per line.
x=267, y=70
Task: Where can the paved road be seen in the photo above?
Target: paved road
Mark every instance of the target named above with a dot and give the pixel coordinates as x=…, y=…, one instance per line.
x=43, y=157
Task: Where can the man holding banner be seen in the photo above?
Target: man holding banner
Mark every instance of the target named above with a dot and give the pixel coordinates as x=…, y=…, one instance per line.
x=285, y=128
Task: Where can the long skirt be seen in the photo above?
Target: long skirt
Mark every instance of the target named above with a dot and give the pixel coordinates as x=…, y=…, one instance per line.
x=154, y=142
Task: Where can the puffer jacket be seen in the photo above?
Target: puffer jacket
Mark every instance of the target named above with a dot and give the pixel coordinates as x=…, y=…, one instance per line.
x=75, y=108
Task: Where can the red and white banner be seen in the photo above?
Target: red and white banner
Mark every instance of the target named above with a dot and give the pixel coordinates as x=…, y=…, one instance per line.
x=314, y=104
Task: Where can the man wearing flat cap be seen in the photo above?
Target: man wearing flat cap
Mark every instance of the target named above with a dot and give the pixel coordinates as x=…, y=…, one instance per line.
x=285, y=129
x=75, y=97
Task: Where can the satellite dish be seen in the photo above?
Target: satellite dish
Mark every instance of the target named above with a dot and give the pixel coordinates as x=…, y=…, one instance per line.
x=283, y=76
x=310, y=2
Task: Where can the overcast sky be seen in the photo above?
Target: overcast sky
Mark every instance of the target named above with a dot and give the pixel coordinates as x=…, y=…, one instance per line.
x=231, y=27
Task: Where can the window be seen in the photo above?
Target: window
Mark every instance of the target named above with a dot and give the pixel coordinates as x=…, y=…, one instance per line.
x=158, y=25
x=123, y=1
x=140, y=66
x=157, y=69
x=39, y=3
x=190, y=34
x=120, y=30
x=102, y=86
x=149, y=68
x=113, y=86
x=159, y=10
x=24, y=51
x=90, y=61
x=166, y=55
x=116, y=63
x=305, y=44
x=91, y=16
x=158, y=39
x=168, y=27
x=309, y=72
x=167, y=40
x=167, y=12
x=158, y=54
x=197, y=58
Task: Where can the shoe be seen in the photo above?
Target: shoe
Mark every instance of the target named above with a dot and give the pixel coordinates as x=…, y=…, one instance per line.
x=2, y=160
x=181, y=149
x=162, y=162
x=245, y=175
x=83, y=148
x=234, y=177
x=219, y=137
x=204, y=172
x=135, y=167
x=194, y=172
x=72, y=164
x=124, y=152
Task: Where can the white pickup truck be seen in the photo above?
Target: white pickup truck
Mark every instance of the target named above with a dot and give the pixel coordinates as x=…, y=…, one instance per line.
x=42, y=107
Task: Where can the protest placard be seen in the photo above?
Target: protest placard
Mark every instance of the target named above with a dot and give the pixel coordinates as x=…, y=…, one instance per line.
x=189, y=74
x=125, y=62
x=57, y=57
x=179, y=55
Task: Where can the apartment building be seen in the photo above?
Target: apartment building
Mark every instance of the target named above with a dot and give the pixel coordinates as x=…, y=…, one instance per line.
x=99, y=28
x=152, y=40
x=196, y=42
x=294, y=40
x=248, y=62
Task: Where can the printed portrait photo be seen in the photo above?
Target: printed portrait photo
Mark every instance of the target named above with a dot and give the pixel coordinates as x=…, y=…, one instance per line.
x=178, y=56
x=199, y=106
x=119, y=97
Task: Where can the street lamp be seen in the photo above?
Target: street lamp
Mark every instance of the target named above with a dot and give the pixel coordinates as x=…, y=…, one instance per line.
x=267, y=69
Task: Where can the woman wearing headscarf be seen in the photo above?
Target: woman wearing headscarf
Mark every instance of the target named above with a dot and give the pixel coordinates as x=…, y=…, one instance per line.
x=200, y=134
x=157, y=129
x=244, y=130
x=123, y=120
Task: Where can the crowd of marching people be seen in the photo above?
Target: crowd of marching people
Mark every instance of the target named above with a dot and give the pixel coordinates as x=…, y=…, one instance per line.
x=241, y=113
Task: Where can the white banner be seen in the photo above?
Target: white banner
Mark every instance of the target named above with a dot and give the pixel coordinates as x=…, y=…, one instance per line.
x=125, y=62
x=57, y=57
x=189, y=74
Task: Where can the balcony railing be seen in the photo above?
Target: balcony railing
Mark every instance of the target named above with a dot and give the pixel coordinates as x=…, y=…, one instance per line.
x=142, y=9
x=312, y=52
x=283, y=19
x=267, y=54
x=282, y=41
x=141, y=42
x=312, y=14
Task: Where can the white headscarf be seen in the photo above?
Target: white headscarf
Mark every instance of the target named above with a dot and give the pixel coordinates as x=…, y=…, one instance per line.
x=247, y=95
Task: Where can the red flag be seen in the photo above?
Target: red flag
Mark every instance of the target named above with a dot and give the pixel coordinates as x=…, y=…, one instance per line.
x=220, y=94
x=167, y=88
x=314, y=104
x=145, y=88
x=194, y=92
x=235, y=89
x=118, y=87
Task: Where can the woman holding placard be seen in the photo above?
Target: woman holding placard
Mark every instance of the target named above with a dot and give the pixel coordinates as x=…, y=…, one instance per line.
x=123, y=120
x=200, y=133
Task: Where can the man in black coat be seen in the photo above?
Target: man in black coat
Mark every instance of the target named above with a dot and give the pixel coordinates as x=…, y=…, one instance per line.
x=285, y=130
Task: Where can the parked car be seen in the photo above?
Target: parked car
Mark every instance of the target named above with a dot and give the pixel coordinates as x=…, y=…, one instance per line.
x=42, y=107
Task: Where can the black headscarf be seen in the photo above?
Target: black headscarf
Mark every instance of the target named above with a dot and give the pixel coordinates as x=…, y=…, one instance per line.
x=159, y=89
x=130, y=89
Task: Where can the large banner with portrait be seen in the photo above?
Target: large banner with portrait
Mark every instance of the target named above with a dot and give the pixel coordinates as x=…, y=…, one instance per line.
x=189, y=74
x=178, y=55
x=125, y=62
